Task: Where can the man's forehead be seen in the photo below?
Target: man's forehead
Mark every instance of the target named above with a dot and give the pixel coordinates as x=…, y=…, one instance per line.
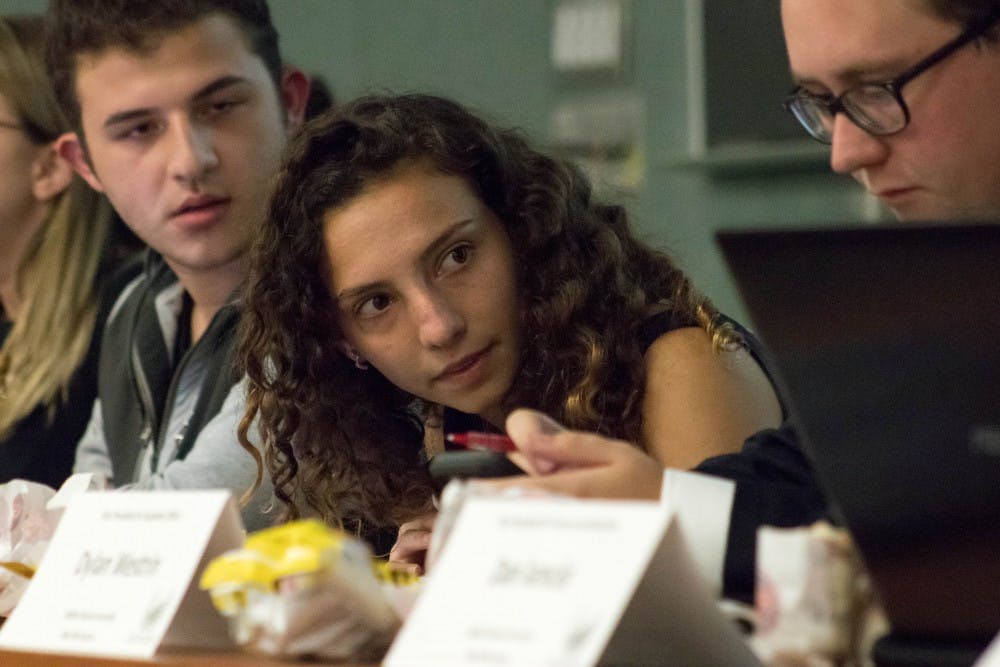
x=832, y=41
x=213, y=41
x=174, y=71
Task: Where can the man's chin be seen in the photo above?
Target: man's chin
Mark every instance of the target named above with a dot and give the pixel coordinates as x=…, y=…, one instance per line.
x=948, y=215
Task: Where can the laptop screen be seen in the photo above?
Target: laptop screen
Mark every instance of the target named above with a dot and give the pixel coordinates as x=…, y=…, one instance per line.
x=885, y=341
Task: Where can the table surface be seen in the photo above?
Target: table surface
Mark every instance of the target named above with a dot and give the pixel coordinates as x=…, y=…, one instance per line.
x=168, y=658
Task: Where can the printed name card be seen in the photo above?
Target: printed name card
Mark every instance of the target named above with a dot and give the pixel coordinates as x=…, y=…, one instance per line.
x=118, y=578
x=991, y=658
x=702, y=506
x=565, y=582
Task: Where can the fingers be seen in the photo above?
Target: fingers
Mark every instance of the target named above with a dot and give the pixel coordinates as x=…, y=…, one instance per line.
x=412, y=543
x=529, y=429
x=578, y=463
x=551, y=447
x=525, y=423
x=634, y=477
x=548, y=446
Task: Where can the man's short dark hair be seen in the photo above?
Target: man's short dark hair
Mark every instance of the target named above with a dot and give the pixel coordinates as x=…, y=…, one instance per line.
x=967, y=12
x=77, y=27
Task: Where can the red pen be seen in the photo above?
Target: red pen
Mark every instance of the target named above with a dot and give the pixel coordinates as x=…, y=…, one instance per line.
x=477, y=440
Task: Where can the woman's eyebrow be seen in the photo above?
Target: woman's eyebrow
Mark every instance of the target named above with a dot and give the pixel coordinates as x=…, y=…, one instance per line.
x=432, y=249
x=444, y=237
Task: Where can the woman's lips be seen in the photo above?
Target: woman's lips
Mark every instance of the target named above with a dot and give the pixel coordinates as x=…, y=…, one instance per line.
x=467, y=370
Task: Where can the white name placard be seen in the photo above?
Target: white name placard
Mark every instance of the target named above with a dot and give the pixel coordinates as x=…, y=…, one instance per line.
x=702, y=506
x=991, y=658
x=565, y=582
x=118, y=577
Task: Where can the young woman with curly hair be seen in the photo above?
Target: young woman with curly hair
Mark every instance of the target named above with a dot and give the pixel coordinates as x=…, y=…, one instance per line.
x=421, y=269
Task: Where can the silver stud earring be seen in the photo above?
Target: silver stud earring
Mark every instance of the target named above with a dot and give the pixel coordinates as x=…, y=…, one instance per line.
x=359, y=361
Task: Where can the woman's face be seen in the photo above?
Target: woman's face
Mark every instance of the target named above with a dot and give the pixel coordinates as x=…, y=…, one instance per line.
x=424, y=281
x=17, y=156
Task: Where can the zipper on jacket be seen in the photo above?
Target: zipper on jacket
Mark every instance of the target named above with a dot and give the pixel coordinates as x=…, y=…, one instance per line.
x=168, y=408
x=168, y=405
x=148, y=448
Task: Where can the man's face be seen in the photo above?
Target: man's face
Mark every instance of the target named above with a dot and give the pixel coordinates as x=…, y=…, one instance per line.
x=945, y=163
x=184, y=140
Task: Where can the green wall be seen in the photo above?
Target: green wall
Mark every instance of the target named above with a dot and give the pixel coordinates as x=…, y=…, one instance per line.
x=493, y=55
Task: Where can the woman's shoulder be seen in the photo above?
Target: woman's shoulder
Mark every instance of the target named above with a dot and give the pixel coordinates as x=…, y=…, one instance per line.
x=687, y=357
x=702, y=400
x=692, y=349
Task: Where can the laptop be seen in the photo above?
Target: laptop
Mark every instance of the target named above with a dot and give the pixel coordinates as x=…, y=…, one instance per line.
x=886, y=344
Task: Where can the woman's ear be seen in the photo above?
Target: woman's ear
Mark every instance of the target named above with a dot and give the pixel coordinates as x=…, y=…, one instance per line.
x=348, y=351
x=50, y=173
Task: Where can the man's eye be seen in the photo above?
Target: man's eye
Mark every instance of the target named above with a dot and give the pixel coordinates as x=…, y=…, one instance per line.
x=137, y=131
x=222, y=106
x=821, y=96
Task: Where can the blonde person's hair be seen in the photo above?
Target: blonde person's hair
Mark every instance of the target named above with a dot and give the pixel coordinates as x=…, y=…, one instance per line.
x=56, y=278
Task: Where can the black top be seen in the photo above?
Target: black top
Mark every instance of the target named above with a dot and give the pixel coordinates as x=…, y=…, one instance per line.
x=775, y=482
x=41, y=449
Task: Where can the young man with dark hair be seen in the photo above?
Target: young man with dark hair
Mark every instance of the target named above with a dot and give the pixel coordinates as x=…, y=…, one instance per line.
x=181, y=110
x=905, y=92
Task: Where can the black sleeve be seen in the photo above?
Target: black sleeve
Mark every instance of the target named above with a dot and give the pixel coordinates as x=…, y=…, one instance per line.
x=775, y=486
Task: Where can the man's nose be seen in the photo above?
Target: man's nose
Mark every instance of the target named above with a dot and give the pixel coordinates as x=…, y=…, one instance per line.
x=192, y=152
x=852, y=148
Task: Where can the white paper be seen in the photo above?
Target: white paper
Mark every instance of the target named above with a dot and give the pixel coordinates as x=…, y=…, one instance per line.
x=703, y=505
x=74, y=485
x=564, y=582
x=117, y=569
x=991, y=657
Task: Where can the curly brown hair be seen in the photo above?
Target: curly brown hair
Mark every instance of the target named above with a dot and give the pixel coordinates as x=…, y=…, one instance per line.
x=347, y=443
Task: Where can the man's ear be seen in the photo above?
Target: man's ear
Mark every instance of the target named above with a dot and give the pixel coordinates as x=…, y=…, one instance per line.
x=294, y=95
x=50, y=174
x=71, y=150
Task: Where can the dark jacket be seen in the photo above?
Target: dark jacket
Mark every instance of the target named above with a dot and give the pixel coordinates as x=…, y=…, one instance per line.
x=164, y=422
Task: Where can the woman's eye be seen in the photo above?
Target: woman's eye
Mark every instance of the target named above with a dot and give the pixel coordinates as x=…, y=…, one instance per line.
x=374, y=305
x=456, y=257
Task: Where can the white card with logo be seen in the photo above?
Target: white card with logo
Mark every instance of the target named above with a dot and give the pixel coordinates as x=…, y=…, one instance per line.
x=991, y=658
x=119, y=576
x=565, y=582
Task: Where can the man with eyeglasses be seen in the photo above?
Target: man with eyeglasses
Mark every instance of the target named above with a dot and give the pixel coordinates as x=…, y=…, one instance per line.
x=907, y=94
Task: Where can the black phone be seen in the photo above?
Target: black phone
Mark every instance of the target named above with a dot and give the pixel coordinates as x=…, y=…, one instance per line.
x=469, y=463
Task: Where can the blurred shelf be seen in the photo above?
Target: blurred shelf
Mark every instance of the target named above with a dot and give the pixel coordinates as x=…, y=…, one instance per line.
x=755, y=158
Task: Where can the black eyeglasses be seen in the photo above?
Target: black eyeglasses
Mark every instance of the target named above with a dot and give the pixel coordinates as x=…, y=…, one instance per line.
x=877, y=108
x=10, y=126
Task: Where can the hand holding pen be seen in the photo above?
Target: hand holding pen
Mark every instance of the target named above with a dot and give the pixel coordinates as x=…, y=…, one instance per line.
x=493, y=442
